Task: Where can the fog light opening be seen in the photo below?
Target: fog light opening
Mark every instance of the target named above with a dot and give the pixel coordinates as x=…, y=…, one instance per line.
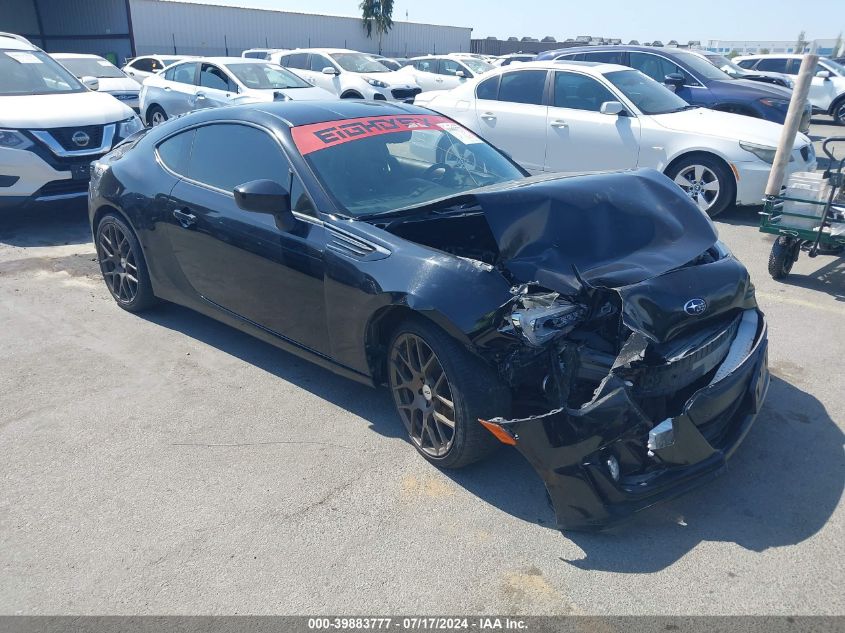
x=613, y=467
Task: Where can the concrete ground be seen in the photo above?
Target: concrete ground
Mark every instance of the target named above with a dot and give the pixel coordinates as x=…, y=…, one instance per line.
x=167, y=464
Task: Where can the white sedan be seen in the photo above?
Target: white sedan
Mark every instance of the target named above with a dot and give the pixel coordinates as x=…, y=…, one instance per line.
x=212, y=82
x=577, y=117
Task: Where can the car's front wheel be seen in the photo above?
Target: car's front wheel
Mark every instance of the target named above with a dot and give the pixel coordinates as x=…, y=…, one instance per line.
x=440, y=391
x=706, y=180
x=123, y=266
x=839, y=112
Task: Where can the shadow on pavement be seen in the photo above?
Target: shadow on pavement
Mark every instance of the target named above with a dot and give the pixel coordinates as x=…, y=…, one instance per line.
x=781, y=488
x=373, y=405
x=829, y=278
x=46, y=226
x=740, y=216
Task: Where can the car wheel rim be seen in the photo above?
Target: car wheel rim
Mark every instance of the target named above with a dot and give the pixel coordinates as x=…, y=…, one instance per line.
x=158, y=118
x=422, y=395
x=460, y=158
x=701, y=184
x=118, y=263
x=840, y=113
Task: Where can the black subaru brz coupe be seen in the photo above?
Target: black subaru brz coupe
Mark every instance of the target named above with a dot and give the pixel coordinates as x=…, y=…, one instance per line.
x=594, y=322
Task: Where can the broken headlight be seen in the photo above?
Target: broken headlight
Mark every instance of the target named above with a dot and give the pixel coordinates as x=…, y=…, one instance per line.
x=543, y=317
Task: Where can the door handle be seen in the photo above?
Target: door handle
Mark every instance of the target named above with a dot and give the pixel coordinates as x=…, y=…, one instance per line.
x=184, y=218
x=489, y=116
x=167, y=88
x=559, y=123
x=201, y=95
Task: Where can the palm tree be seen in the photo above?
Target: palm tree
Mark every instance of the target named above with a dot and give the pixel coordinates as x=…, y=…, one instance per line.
x=378, y=15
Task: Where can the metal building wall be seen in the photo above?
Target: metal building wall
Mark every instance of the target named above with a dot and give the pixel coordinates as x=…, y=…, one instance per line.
x=202, y=29
x=71, y=26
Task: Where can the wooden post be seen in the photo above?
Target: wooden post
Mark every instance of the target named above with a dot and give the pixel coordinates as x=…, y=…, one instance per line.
x=793, y=120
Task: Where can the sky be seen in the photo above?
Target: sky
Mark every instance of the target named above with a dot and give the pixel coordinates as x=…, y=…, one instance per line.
x=643, y=20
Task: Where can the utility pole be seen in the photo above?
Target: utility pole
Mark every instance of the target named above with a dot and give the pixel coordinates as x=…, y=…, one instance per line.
x=793, y=120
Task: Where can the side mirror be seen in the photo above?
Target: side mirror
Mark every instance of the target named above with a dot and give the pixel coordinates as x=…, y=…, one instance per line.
x=330, y=70
x=613, y=108
x=673, y=81
x=824, y=74
x=266, y=196
x=460, y=74
x=92, y=83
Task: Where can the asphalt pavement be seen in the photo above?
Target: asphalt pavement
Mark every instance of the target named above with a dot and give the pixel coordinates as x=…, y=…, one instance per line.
x=167, y=464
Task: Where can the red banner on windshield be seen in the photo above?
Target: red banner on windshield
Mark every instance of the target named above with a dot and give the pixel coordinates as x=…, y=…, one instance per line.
x=317, y=136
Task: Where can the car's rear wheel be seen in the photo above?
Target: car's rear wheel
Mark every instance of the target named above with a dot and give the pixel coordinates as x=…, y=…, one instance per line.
x=123, y=266
x=440, y=391
x=156, y=115
x=706, y=180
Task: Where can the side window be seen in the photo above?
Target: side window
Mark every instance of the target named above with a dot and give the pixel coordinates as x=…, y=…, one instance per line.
x=746, y=63
x=214, y=78
x=175, y=151
x=298, y=60
x=658, y=67
x=579, y=92
x=182, y=73
x=227, y=155
x=451, y=68
x=318, y=62
x=606, y=57
x=572, y=57
x=525, y=86
x=299, y=200
x=488, y=89
x=426, y=65
x=773, y=64
x=155, y=65
x=145, y=64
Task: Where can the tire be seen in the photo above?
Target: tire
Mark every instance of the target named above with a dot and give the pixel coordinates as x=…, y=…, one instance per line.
x=156, y=115
x=838, y=111
x=123, y=265
x=696, y=173
x=351, y=95
x=453, y=375
x=784, y=254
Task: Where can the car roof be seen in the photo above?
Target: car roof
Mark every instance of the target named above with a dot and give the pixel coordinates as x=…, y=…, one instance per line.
x=295, y=113
x=231, y=60
x=10, y=41
x=75, y=56
x=619, y=47
x=325, y=50
x=599, y=68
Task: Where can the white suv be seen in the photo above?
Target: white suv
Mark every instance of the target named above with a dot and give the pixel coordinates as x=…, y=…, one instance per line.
x=51, y=126
x=350, y=74
x=827, y=90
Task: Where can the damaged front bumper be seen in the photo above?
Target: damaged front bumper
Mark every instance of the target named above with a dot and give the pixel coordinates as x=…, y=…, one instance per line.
x=607, y=460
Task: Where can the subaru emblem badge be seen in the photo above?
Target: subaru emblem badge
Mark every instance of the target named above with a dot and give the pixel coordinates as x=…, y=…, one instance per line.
x=695, y=307
x=80, y=138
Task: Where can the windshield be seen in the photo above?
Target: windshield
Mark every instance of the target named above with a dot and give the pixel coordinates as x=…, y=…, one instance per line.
x=262, y=76
x=382, y=164
x=649, y=96
x=701, y=67
x=836, y=67
x=34, y=73
x=477, y=66
x=166, y=61
x=359, y=63
x=91, y=67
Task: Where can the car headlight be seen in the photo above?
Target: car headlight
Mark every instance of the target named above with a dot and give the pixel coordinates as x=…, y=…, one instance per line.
x=763, y=152
x=375, y=82
x=780, y=104
x=541, y=318
x=127, y=128
x=13, y=139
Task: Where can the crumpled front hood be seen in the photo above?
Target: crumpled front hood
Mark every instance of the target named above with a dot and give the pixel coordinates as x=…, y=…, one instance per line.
x=615, y=229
